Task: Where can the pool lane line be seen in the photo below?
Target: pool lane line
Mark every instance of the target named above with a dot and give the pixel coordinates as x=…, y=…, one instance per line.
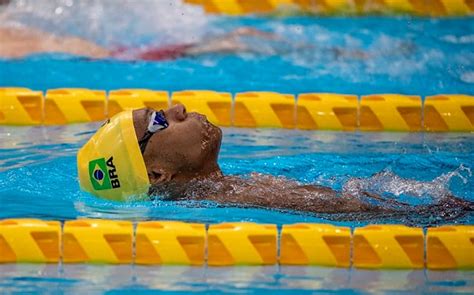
x=100, y=241
x=255, y=109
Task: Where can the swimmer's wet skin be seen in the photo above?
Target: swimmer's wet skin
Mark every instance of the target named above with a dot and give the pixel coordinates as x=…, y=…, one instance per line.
x=173, y=155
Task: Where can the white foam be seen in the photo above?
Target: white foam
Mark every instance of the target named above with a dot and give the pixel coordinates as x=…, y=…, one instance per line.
x=468, y=77
x=467, y=39
x=112, y=22
x=389, y=183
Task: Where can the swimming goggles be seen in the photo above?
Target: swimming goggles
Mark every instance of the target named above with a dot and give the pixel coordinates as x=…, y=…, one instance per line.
x=157, y=123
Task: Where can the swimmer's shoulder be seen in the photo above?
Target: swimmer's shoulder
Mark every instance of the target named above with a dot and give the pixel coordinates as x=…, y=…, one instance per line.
x=22, y=41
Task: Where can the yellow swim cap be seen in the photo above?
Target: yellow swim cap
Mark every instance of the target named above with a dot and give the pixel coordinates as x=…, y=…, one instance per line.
x=110, y=164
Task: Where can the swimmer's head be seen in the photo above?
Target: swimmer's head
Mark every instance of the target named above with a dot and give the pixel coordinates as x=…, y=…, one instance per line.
x=128, y=154
x=186, y=149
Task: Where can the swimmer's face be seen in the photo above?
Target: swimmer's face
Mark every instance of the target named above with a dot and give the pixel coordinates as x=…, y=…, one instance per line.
x=187, y=149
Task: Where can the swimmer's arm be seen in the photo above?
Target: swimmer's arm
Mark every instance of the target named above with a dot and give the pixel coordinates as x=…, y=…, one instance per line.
x=216, y=46
x=21, y=42
x=229, y=43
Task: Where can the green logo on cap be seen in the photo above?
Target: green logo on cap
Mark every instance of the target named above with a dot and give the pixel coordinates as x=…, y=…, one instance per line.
x=98, y=174
x=103, y=174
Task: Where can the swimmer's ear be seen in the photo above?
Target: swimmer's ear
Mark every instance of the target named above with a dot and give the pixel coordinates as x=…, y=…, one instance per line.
x=159, y=176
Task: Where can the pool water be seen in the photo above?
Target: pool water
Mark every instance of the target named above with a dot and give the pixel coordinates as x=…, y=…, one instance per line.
x=98, y=279
x=364, y=55
x=38, y=176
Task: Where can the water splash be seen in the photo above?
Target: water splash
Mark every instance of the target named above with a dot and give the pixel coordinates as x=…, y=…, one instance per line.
x=111, y=22
x=412, y=202
x=391, y=185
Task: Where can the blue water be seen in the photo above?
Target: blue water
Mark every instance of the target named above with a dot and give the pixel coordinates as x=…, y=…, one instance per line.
x=93, y=279
x=38, y=175
x=403, y=55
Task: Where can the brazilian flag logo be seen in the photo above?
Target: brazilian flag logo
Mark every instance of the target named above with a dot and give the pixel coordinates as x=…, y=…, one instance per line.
x=99, y=175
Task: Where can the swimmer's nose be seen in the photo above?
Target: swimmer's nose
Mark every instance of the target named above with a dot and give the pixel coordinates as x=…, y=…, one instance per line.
x=176, y=113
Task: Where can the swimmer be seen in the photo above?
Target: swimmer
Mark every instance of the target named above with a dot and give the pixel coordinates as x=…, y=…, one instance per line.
x=172, y=155
x=19, y=42
x=22, y=41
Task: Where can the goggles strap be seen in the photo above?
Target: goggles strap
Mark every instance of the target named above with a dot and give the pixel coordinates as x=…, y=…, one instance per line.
x=144, y=141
